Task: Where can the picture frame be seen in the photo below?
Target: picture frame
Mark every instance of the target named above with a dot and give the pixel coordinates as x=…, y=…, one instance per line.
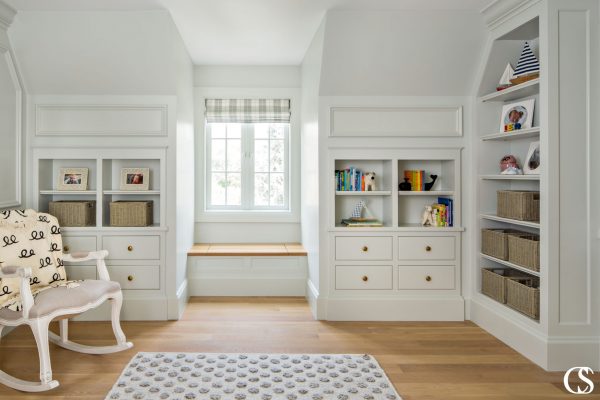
x=72, y=179
x=518, y=115
x=135, y=178
x=532, y=163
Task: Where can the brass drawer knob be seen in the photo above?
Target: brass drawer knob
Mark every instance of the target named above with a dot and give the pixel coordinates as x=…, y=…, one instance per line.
x=365, y=249
x=428, y=278
x=365, y=278
x=130, y=248
x=428, y=248
x=130, y=278
x=66, y=249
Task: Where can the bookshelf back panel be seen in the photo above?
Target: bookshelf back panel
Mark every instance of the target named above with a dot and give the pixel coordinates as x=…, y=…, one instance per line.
x=444, y=169
x=380, y=207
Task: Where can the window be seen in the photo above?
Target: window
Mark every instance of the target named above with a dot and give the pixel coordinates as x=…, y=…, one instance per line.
x=247, y=166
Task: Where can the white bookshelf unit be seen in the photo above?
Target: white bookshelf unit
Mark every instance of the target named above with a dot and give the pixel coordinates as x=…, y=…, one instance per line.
x=402, y=270
x=568, y=318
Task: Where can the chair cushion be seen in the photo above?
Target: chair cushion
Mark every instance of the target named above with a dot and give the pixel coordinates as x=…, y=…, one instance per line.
x=30, y=239
x=62, y=297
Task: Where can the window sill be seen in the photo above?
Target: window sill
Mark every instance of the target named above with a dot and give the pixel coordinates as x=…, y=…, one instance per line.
x=258, y=216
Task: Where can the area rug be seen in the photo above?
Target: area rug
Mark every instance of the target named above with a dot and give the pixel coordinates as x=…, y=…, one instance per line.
x=196, y=376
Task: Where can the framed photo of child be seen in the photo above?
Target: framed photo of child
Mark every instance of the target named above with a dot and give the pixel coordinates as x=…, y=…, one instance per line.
x=517, y=116
x=135, y=178
x=72, y=179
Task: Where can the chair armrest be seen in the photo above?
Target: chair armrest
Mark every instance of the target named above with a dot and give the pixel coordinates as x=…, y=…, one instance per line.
x=24, y=273
x=99, y=256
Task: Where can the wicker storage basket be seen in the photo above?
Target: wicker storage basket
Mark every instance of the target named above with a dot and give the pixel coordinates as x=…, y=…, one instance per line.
x=131, y=213
x=494, y=242
x=520, y=205
x=524, y=296
x=74, y=213
x=524, y=250
x=493, y=282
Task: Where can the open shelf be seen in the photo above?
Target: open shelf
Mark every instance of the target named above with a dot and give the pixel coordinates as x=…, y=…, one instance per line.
x=528, y=224
x=427, y=193
x=363, y=193
x=511, y=177
x=522, y=90
x=509, y=264
x=513, y=135
x=68, y=192
x=132, y=192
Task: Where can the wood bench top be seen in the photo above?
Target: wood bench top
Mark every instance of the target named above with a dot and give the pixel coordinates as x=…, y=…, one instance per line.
x=247, y=250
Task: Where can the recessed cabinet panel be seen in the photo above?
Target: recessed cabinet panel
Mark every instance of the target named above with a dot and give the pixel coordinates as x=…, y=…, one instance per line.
x=426, y=277
x=360, y=248
x=363, y=277
x=136, y=277
x=75, y=244
x=132, y=247
x=426, y=248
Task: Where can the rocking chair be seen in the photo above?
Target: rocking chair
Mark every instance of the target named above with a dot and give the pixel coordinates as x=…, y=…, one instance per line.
x=34, y=290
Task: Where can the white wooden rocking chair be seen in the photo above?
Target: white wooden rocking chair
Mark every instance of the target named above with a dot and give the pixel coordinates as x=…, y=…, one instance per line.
x=55, y=299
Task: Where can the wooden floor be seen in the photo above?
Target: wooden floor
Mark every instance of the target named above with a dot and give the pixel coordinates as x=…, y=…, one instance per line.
x=439, y=360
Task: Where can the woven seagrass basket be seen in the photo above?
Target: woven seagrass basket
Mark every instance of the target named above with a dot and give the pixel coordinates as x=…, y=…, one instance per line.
x=131, y=213
x=74, y=213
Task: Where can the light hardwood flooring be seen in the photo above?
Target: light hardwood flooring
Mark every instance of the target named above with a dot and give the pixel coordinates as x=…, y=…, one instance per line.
x=436, y=360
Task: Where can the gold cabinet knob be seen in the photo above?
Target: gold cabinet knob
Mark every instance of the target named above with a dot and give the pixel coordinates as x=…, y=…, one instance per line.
x=428, y=278
x=365, y=278
x=365, y=248
x=427, y=248
x=130, y=248
x=130, y=278
x=66, y=249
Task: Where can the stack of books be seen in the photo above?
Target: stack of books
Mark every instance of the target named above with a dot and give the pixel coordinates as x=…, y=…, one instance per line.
x=362, y=222
x=349, y=179
x=445, y=212
x=416, y=179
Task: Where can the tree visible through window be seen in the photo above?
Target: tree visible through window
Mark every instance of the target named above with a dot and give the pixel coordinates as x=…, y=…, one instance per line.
x=247, y=166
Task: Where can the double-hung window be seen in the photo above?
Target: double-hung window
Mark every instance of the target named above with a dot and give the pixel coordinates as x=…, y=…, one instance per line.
x=247, y=155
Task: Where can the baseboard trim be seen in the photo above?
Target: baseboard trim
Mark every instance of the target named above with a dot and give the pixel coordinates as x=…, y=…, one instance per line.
x=396, y=309
x=178, y=303
x=316, y=304
x=568, y=352
x=261, y=286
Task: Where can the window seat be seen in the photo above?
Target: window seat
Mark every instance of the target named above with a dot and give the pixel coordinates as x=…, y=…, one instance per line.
x=247, y=250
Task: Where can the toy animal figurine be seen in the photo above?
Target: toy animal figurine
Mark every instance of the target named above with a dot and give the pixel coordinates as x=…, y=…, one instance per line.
x=427, y=219
x=510, y=166
x=370, y=185
x=405, y=186
x=434, y=217
x=429, y=185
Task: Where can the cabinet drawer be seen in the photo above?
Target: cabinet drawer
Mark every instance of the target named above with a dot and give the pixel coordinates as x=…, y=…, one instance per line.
x=426, y=277
x=135, y=276
x=132, y=247
x=74, y=244
x=363, y=248
x=80, y=272
x=365, y=277
x=426, y=248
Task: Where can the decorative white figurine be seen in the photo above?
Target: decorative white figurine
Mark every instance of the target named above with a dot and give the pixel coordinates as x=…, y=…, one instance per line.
x=370, y=185
x=427, y=219
x=358, y=209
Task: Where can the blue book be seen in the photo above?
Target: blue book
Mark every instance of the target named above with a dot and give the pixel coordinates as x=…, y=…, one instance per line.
x=449, y=209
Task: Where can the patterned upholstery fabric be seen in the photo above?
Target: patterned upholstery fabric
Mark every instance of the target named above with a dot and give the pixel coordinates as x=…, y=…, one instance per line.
x=30, y=239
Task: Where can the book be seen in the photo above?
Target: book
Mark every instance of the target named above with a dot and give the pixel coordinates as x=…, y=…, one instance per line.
x=449, y=209
x=361, y=222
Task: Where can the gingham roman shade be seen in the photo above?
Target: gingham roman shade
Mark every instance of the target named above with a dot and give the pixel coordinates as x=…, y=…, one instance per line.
x=248, y=110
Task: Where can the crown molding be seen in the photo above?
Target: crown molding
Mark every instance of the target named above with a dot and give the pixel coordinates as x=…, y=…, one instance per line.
x=7, y=14
x=499, y=11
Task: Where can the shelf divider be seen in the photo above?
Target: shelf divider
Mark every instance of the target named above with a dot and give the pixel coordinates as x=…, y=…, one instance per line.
x=514, y=135
x=529, y=224
x=511, y=265
x=520, y=91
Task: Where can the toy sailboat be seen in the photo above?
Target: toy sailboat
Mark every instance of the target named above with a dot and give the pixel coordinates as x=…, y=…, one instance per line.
x=528, y=67
x=506, y=77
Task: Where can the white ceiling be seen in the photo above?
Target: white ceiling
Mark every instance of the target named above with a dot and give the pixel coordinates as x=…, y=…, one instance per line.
x=246, y=32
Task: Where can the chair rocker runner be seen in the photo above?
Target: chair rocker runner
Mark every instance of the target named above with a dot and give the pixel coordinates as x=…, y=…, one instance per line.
x=34, y=290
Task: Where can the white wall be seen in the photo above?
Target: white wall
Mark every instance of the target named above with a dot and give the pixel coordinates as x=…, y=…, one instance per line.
x=311, y=78
x=247, y=82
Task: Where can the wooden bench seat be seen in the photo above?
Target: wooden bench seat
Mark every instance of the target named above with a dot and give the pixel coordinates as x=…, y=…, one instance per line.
x=247, y=250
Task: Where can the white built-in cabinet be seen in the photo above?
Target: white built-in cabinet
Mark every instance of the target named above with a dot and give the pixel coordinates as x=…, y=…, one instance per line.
x=564, y=35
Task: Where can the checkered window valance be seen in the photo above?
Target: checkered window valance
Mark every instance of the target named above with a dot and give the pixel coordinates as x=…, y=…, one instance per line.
x=248, y=110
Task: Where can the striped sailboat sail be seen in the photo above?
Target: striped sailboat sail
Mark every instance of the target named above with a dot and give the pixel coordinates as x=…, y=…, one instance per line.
x=528, y=62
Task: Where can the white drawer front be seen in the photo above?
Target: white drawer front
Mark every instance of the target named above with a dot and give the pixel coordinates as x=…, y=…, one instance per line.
x=135, y=276
x=365, y=277
x=359, y=248
x=74, y=244
x=132, y=247
x=80, y=272
x=426, y=277
x=426, y=248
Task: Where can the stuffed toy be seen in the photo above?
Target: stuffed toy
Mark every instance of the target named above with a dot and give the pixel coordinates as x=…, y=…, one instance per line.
x=370, y=185
x=427, y=219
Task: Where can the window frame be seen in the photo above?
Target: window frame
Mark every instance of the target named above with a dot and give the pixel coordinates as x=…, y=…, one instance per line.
x=247, y=173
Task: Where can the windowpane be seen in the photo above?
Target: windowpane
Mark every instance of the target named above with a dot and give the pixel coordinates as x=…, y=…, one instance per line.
x=261, y=156
x=261, y=189
x=277, y=190
x=218, y=155
x=218, y=131
x=217, y=189
x=234, y=189
x=234, y=155
x=277, y=156
x=261, y=131
x=277, y=131
x=234, y=131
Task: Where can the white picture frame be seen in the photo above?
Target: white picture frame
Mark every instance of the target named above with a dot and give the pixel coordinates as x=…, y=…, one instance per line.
x=517, y=116
x=135, y=179
x=532, y=163
x=72, y=179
